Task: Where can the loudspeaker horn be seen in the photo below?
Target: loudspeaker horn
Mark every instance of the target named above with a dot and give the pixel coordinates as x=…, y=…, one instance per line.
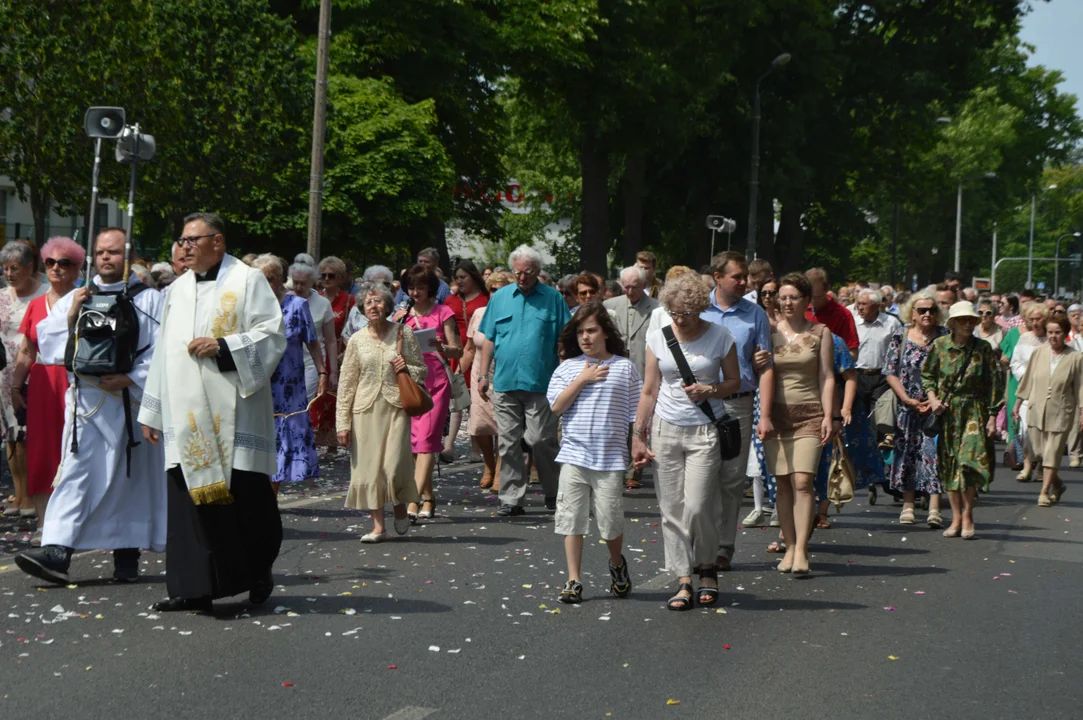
x=104, y=122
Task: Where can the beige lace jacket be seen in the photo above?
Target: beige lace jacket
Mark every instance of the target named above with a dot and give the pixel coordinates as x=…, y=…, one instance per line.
x=367, y=372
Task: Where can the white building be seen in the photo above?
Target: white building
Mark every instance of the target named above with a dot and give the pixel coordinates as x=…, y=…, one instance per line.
x=17, y=221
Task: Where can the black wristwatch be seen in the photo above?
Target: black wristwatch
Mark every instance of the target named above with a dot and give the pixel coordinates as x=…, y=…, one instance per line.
x=837, y=419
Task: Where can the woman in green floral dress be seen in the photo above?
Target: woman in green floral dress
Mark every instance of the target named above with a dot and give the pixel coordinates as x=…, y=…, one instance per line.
x=968, y=406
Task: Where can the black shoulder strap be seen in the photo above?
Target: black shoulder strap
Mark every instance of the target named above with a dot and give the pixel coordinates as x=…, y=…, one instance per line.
x=686, y=371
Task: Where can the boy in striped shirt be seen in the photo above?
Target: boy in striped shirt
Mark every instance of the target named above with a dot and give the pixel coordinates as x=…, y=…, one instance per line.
x=596, y=389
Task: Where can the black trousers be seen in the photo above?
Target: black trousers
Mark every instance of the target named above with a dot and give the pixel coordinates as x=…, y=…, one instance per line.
x=215, y=551
x=869, y=390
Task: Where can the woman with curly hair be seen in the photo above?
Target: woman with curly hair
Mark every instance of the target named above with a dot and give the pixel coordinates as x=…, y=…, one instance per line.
x=684, y=441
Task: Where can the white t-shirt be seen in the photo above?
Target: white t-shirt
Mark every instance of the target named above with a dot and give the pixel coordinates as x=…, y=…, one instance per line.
x=704, y=357
x=596, y=425
x=322, y=314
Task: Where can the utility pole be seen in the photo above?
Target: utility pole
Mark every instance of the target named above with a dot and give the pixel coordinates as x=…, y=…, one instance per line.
x=319, y=123
x=1030, y=251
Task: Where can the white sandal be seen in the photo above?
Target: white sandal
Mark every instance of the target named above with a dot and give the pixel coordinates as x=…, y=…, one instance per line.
x=906, y=517
x=374, y=537
x=35, y=539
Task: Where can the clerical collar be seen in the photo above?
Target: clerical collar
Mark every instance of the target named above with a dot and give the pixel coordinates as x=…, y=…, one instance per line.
x=211, y=274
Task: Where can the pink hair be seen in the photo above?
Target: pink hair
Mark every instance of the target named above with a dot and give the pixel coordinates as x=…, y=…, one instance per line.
x=63, y=247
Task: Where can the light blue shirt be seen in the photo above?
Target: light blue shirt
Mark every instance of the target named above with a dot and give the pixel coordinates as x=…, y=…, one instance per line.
x=750, y=327
x=524, y=330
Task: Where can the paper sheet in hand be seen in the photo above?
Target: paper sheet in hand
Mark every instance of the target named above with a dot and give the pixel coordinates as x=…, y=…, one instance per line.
x=425, y=339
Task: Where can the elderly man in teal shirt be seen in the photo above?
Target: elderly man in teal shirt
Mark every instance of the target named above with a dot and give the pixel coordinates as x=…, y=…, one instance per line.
x=522, y=325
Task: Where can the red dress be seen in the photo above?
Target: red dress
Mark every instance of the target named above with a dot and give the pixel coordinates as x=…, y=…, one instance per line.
x=462, y=319
x=323, y=409
x=46, y=386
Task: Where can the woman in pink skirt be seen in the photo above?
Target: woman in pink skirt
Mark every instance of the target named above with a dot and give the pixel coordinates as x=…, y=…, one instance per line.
x=427, y=431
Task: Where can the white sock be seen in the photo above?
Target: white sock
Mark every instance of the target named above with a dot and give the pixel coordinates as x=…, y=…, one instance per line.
x=758, y=491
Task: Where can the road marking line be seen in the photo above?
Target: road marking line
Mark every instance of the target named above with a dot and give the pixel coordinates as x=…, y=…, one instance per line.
x=411, y=713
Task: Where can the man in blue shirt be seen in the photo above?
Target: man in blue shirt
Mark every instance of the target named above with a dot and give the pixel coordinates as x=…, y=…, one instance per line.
x=521, y=327
x=430, y=258
x=752, y=335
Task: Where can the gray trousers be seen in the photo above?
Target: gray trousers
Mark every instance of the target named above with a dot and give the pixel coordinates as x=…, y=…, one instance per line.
x=526, y=416
x=733, y=478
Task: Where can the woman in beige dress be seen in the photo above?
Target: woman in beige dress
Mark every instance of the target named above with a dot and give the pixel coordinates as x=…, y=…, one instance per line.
x=482, y=423
x=370, y=418
x=1053, y=388
x=796, y=397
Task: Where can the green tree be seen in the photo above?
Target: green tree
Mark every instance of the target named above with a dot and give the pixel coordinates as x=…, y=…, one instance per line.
x=59, y=58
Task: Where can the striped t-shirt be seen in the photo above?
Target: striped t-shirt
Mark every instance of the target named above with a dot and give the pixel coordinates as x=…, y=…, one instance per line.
x=596, y=424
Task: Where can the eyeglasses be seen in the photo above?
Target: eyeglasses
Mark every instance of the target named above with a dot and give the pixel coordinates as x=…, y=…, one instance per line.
x=328, y=276
x=985, y=313
x=924, y=311
x=64, y=263
x=192, y=240
x=526, y=273
x=675, y=314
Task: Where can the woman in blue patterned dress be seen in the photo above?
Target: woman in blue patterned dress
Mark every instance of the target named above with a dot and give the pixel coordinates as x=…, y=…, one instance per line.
x=296, y=442
x=914, y=468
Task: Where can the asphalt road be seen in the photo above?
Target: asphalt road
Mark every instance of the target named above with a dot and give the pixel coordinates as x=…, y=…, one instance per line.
x=460, y=620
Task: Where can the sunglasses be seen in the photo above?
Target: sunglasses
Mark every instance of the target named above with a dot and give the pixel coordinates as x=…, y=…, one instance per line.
x=64, y=263
x=924, y=311
x=769, y=293
x=985, y=313
x=675, y=314
x=328, y=276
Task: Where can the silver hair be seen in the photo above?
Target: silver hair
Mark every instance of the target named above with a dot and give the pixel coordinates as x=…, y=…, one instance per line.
x=873, y=295
x=372, y=272
x=213, y=222
x=304, y=259
x=144, y=275
x=527, y=253
x=269, y=260
x=969, y=291
x=375, y=288
x=299, y=268
x=432, y=253
x=1074, y=307
x=887, y=291
x=637, y=270
x=15, y=251
x=567, y=282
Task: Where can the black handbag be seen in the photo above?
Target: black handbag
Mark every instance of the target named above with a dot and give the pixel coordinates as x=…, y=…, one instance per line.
x=729, y=428
x=934, y=424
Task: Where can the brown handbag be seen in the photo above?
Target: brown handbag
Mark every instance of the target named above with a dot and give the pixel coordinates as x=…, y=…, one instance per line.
x=415, y=399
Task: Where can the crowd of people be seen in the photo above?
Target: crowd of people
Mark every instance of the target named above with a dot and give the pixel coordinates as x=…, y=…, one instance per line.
x=718, y=384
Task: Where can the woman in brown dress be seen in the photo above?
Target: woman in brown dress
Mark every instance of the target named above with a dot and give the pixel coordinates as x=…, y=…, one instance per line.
x=796, y=396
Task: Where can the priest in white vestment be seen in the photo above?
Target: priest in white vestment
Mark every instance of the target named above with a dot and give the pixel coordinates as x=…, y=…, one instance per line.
x=100, y=502
x=208, y=399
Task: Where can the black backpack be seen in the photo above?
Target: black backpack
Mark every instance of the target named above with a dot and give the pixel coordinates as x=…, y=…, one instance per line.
x=105, y=341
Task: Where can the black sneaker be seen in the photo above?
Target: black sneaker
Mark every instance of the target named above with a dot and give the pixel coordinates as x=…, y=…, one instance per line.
x=622, y=582
x=126, y=565
x=572, y=594
x=510, y=510
x=49, y=563
x=551, y=503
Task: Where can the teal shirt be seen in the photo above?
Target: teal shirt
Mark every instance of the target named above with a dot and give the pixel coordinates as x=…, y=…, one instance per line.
x=524, y=330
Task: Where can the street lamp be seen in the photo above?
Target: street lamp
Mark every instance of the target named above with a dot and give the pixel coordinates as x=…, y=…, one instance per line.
x=1056, y=265
x=959, y=217
x=754, y=180
x=1030, y=251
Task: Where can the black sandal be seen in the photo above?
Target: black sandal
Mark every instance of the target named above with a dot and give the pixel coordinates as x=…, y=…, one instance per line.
x=708, y=595
x=681, y=603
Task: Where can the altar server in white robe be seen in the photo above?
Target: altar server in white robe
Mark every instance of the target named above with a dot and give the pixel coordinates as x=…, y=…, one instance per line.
x=208, y=399
x=99, y=503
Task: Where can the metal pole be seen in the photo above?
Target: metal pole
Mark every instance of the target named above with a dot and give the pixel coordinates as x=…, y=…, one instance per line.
x=93, y=207
x=1030, y=252
x=894, y=243
x=993, y=274
x=754, y=179
x=958, y=224
x=319, y=123
x=712, y=242
x=131, y=207
x=1056, y=267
